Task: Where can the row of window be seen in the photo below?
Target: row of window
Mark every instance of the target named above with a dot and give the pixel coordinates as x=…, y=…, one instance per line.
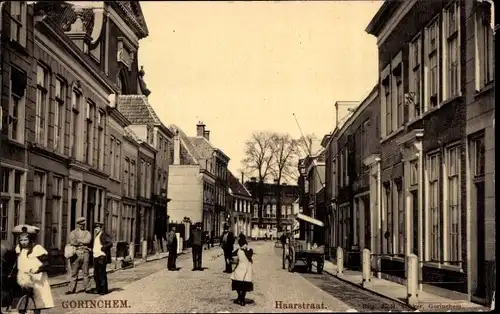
x=122, y=220
x=269, y=211
x=241, y=205
x=442, y=206
x=434, y=69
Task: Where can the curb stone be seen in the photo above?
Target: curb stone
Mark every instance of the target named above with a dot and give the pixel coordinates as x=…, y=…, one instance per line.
x=369, y=290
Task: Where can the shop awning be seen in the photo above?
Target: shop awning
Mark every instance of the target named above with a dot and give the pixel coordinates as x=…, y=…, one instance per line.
x=310, y=220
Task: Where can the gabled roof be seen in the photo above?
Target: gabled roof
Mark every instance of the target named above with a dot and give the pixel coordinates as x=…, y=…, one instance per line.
x=137, y=109
x=189, y=154
x=204, y=147
x=236, y=186
x=133, y=16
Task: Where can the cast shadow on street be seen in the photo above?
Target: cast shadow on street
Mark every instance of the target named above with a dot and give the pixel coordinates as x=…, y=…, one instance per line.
x=247, y=301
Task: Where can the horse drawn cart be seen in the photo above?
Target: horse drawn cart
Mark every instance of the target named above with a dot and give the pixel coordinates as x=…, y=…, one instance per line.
x=303, y=252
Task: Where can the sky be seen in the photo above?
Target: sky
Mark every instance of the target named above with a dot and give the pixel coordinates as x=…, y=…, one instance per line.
x=242, y=67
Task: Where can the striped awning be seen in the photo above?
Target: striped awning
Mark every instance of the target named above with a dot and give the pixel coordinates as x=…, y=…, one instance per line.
x=310, y=220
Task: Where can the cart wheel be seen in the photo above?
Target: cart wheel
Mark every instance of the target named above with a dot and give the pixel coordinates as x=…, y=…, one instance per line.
x=291, y=259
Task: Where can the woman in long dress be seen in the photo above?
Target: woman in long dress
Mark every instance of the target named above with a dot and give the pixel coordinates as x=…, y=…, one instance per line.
x=32, y=263
x=242, y=274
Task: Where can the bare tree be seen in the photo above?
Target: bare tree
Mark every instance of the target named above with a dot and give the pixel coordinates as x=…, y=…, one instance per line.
x=258, y=161
x=285, y=149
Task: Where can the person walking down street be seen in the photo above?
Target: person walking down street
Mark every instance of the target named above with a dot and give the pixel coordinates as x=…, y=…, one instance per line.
x=212, y=238
x=172, y=249
x=206, y=240
x=80, y=240
x=227, y=244
x=283, y=245
x=101, y=252
x=241, y=278
x=32, y=266
x=197, y=243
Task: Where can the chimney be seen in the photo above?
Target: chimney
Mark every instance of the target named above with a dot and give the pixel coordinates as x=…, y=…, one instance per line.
x=206, y=134
x=200, y=129
x=177, y=149
x=242, y=177
x=253, y=179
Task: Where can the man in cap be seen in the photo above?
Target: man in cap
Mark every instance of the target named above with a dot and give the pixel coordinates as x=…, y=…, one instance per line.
x=172, y=249
x=101, y=251
x=227, y=244
x=197, y=243
x=80, y=239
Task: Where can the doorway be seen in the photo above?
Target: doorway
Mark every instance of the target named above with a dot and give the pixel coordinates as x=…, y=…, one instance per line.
x=414, y=220
x=368, y=229
x=480, y=241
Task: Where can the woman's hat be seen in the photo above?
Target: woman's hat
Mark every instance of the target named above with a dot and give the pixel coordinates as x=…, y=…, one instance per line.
x=80, y=220
x=20, y=229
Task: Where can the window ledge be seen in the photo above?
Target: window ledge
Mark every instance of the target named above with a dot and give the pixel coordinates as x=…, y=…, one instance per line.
x=431, y=110
x=115, y=180
x=438, y=265
x=484, y=90
x=19, y=48
x=391, y=135
x=17, y=143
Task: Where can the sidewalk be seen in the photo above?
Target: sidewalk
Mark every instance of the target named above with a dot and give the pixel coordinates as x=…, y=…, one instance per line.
x=62, y=280
x=397, y=292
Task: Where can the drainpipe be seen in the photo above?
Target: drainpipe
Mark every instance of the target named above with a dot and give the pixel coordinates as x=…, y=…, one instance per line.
x=1, y=53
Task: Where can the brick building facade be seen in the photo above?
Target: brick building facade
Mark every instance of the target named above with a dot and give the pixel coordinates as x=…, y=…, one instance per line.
x=64, y=132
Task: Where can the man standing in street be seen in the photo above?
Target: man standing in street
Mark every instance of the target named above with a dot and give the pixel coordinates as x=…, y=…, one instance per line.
x=102, y=256
x=283, y=245
x=172, y=249
x=227, y=243
x=197, y=243
x=80, y=240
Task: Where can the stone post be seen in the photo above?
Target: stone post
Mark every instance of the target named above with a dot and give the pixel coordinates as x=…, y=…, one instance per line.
x=366, y=266
x=144, y=250
x=132, y=250
x=412, y=280
x=340, y=261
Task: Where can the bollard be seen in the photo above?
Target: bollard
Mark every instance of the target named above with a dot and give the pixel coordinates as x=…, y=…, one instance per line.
x=366, y=267
x=144, y=250
x=340, y=261
x=132, y=250
x=412, y=280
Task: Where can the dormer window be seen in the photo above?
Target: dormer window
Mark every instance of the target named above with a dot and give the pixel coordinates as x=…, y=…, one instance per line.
x=126, y=52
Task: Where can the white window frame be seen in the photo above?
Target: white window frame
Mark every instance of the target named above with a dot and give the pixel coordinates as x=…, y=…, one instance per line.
x=389, y=211
x=40, y=189
x=434, y=247
x=76, y=118
x=101, y=124
x=397, y=92
x=18, y=23
x=451, y=33
x=385, y=102
x=90, y=110
x=416, y=108
x=427, y=64
x=484, y=71
x=59, y=114
x=10, y=197
x=42, y=104
x=57, y=204
x=112, y=157
x=133, y=176
x=16, y=120
x=400, y=214
x=118, y=153
x=452, y=205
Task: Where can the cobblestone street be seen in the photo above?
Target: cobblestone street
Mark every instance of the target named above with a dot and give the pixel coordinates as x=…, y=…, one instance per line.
x=161, y=291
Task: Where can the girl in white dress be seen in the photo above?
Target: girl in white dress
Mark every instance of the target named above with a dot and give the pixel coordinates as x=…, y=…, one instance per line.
x=31, y=265
x=242, y=274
